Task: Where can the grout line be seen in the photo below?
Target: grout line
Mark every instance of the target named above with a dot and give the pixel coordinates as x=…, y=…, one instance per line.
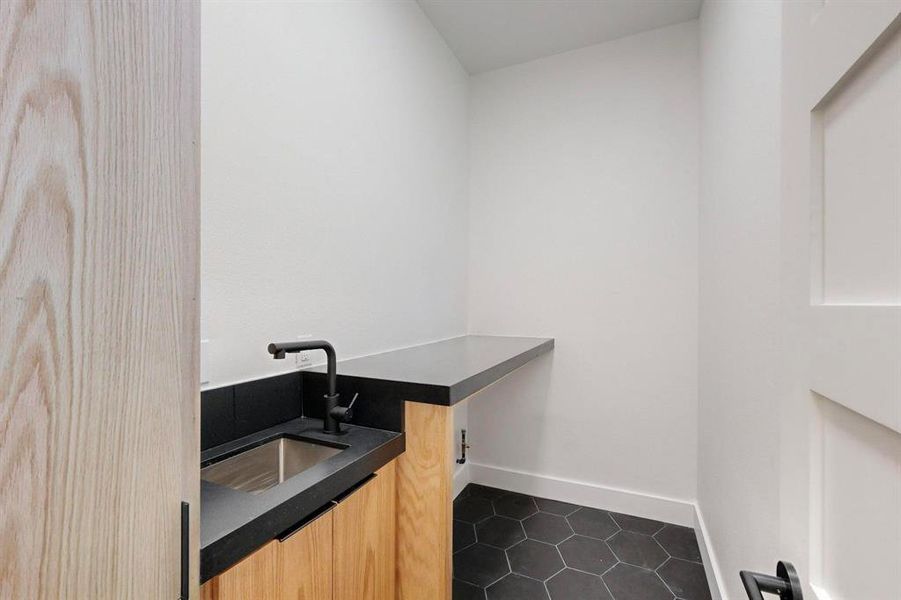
x=544, y=583
x=499, y=578
x=637, y=566
x=664, y=563
x=563, y=568
x=610, y=568
x=464, y=548
x=662, y=527
x=607, y=587
x=586, y=572
x=675, y=595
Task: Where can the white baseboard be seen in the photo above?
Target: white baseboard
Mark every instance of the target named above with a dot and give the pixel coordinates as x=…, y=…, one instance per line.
x=680, y=512
x=708, y=556
x=462, y=478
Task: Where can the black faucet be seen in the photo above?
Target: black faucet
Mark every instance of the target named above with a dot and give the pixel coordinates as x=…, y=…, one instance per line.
x=334, y=414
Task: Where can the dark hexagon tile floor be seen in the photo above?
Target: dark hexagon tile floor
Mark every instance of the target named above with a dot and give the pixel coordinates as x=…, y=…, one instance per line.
x=637, y=549
x=500, y=532
x=516, y=547
x=593, y=523
x=515, y=506
x=517, y=587
x=543, y=527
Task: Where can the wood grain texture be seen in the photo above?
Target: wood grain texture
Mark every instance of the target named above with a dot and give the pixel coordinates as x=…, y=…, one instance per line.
x=210, y=589
x=255, y=577
x=305, y=562
x=424, y=503
x=299, y=568
x=99, y=230
x=365, y=540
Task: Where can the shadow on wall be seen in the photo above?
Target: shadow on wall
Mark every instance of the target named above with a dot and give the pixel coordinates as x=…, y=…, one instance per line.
x=494, y=436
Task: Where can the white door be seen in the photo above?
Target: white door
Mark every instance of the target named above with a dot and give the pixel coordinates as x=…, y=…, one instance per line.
x=840, y=419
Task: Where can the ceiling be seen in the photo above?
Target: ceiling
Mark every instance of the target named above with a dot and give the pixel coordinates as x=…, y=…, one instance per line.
x=490, y=34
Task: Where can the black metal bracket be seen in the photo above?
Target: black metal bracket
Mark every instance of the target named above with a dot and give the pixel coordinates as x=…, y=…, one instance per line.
x=786, y=584
x=185, y=592
x=463, y=447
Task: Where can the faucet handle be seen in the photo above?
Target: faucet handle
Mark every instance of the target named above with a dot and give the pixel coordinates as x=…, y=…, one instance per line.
x=344, y=413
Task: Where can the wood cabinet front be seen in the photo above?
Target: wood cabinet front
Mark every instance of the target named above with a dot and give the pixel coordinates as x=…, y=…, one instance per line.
x=346, y=553
x=365, y=537
x=305, y=565
x=253, y=577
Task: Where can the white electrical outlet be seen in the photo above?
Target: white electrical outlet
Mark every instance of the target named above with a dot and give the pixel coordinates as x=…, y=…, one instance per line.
x=204, y=362
x=303, y=358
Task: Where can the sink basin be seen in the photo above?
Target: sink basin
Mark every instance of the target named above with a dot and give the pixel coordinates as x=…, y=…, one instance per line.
x=267, y=465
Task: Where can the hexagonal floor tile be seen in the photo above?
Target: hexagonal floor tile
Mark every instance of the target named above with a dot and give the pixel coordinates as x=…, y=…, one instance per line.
x=572, y=585
x=593, y=523
x=483, y=491
x=534, y=559
x=464, y=535
x=626, y=582
x=472, y=509
x=587, y=554
x=547, y=528
x=500, y=532
x=480, y=565
x=467, y=591
x=515, y=506
x=679, y=542
x=517, y=587
x=555, y=507
x=637, y=524
x=637, y=549
x=687, y=579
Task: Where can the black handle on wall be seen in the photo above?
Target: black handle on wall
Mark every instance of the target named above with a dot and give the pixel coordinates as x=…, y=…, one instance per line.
x=185, y=550
x=786, y=583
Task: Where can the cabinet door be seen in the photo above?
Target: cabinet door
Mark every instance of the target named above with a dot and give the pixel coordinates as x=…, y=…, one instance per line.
x=297, y=568
x=364, y=539
x=254, y=578
x=305, y=562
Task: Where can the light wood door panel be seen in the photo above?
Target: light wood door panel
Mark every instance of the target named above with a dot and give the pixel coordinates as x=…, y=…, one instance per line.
x=365, y=540
x=305, y=562
x=99, y=235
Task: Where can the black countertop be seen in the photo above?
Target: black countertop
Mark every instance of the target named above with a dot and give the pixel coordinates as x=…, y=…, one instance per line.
x=444, y=372
x=234, y=524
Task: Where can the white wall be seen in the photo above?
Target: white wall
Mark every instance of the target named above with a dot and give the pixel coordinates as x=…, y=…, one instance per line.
x=738, y=491
x=334, y=181
x=583, y=226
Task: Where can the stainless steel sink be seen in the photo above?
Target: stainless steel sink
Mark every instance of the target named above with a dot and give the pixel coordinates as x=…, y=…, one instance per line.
x=265, y=466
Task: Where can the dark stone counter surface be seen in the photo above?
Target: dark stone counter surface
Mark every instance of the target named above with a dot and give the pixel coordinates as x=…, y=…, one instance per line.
x=442, y=372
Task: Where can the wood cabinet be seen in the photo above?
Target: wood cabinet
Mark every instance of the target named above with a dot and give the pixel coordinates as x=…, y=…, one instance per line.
x=305, y=561
x=253, y=577
x=425, y=503
x=365, y=540
x=346, y=553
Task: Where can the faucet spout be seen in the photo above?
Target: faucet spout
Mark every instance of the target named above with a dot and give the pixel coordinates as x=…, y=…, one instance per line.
x=278, y=350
